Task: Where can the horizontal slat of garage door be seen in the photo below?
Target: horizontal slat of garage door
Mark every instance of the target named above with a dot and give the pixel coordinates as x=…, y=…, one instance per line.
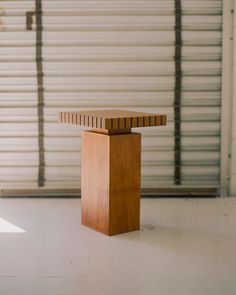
x=110, y=54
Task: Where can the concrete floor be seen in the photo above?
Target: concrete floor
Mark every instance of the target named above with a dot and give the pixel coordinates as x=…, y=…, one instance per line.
x=185, y=246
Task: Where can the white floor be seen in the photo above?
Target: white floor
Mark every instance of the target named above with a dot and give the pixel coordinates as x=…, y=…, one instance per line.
x=185, y=247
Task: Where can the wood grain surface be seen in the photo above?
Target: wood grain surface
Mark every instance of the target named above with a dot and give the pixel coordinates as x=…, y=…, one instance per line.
x=125, y=175
x=112, y=119
x=111, y=166
x=95, y=181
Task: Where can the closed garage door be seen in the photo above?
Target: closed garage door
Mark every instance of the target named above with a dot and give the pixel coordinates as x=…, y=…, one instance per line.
x=141, y=55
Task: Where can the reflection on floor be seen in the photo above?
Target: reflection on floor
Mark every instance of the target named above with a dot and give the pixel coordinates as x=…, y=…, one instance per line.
x=185, y=246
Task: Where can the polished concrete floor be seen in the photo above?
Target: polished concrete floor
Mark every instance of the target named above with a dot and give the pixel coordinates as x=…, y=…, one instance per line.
x=185, y=246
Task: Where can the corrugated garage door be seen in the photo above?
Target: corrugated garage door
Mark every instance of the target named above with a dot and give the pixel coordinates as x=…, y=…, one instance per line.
x=81, y=55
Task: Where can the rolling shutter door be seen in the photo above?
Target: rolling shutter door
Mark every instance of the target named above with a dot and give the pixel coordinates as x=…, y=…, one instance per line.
x=201, y=92
x=110, y=54
x=120, y=56
x=18, y=98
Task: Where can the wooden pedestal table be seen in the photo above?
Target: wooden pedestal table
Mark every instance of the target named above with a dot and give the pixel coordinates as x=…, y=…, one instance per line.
x=111, y=165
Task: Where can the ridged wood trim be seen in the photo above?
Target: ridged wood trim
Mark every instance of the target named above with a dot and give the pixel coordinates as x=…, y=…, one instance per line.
x=112, y=121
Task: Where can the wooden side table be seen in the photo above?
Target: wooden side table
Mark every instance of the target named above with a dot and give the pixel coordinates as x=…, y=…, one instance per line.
x=111, y=167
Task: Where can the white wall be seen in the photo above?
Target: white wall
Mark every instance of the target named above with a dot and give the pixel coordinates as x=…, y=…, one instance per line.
x=233, y=157
x=233, y=136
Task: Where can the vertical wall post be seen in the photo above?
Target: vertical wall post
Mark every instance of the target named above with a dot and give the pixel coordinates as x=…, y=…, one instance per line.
x=39, y=65
x=178, y=88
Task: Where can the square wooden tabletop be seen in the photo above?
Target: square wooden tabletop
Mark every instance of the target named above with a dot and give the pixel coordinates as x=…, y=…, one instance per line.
x=112, y=119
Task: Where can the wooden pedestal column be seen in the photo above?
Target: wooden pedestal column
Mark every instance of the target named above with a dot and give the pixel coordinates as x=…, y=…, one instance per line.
x=111, y=167
x=111, y=156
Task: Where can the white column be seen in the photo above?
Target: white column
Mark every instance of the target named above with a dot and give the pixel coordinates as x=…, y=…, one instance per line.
x=227, y=94
x=233, y=137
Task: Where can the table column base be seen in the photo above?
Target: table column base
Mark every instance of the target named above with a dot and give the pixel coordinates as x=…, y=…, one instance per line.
x=111, y=166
